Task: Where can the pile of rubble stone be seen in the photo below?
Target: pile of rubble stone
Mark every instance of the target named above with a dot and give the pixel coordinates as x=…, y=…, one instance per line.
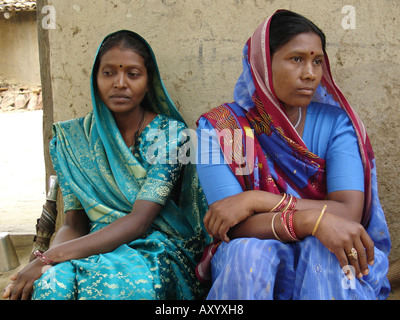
x=17, y=5
x=15, y=97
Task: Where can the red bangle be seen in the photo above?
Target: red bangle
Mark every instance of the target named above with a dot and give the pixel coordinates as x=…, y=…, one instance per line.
x=289, y=231
x=292, y=203
x=291, y=228
x=39, y=254
x=284, y=225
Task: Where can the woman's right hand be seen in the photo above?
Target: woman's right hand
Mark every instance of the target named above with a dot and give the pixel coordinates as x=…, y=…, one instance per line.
x=340, y=236
x=22, y=282
x=7, y=290
x=226, y=213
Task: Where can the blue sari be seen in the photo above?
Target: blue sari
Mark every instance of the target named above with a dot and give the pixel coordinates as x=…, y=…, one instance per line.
x=281, y=162
x=101, y=175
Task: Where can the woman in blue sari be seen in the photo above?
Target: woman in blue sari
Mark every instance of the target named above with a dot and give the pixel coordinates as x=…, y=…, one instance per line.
x=293, y=203
x=133, y=214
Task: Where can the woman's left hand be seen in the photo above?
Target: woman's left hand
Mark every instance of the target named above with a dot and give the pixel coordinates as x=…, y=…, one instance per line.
x=22, y=282
x=349, y=241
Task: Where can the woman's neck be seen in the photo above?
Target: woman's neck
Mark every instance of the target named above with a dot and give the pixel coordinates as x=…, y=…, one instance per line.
x=129, y=123
x=296, y=116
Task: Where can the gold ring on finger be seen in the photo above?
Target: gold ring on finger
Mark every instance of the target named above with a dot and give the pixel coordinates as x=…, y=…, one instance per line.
x=353, y=253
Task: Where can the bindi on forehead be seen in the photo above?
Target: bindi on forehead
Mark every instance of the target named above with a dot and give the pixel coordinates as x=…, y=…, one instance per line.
x=120, y=65
x=312, y=53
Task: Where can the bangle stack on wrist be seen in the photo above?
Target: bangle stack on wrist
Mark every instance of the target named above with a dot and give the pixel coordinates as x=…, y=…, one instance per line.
x=287, y=207
x=39, y=254
x=288, y=202
x=281, y=204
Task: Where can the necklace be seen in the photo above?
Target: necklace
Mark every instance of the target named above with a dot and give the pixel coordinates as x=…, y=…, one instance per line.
x=144, y=115
x=298, y=121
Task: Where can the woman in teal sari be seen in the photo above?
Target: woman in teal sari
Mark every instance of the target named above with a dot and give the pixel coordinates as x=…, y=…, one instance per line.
x=133, y=223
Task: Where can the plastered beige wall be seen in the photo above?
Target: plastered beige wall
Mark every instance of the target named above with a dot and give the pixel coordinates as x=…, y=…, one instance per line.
x=19, y=57
x=198, y=44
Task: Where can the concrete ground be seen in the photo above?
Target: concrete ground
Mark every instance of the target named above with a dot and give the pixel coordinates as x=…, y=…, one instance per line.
x=23, y=246
x=22, y=185
x=22, y=171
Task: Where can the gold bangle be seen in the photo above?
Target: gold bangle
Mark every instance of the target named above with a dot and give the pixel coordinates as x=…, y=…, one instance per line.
x=289, y=203
x=318, y=221
x=279, y=203
x=273, y=228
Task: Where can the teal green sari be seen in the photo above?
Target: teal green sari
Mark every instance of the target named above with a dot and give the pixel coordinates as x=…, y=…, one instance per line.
x=100, y=174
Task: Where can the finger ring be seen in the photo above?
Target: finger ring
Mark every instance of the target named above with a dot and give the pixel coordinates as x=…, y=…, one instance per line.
x=353, y=253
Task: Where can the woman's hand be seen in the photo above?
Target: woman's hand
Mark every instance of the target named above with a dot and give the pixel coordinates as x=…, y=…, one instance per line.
x=22, y=282
x=340, y=236
x=7, y=290
x=226, y=213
